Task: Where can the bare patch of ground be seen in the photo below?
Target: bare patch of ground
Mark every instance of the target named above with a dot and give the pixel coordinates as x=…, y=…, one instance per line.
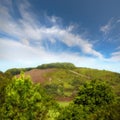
x=64, y=99
x=37, y=75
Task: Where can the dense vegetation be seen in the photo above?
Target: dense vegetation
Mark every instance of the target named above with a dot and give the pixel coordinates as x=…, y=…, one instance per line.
x=24, y=100
x=66, y=82
x=57, y=65
x=94, y=101
x=94, y=94
x=16, y=71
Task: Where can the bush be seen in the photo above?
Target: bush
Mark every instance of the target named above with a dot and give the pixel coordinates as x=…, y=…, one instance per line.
x=73, y=112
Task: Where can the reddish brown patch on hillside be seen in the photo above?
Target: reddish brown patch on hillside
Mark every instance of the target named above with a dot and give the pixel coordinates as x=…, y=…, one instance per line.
x=67, y=99
x=37, y=75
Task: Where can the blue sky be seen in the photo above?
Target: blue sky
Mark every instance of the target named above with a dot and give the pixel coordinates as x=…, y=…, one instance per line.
x=84, y=32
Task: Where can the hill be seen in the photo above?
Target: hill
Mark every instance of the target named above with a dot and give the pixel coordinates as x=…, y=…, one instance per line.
x=62, y=80
x=64, y=83
x=15, y=71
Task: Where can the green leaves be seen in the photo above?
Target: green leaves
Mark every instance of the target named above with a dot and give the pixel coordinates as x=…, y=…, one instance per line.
x=94, y=93
x=93, y=102
x=24, y=100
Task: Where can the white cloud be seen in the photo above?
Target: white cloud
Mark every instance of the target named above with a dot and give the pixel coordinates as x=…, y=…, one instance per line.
x=15, y=51
x=19, y=55
x=107, y=28
x=118, y=21
x=28, y=29
x=118, y=48
x=115, y=56
x=111, y=27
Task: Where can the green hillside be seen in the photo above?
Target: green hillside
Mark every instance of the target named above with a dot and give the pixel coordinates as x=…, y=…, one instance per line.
x=62, y=82
x=64, y=79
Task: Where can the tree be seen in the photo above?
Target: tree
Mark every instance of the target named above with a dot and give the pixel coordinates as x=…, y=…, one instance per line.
x=94, y=94
x=24, y=100
x=109, y=112
x=93, y=102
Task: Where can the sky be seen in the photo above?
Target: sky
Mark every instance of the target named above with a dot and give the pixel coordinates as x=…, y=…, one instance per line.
x=83, y=32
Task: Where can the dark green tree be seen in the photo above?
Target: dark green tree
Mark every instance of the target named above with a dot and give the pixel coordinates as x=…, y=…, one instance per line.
x=109, y=112
x=94, y=94
x=93, y=102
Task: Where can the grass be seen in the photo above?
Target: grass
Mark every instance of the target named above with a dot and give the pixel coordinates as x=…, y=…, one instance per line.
x=63, y=104
x=66, y=82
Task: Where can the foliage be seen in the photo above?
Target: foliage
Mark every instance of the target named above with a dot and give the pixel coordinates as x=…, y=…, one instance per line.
x=54, y=89
x=24, y=100
x=72, y=112
x=108, y=112
x=14, y=71
x=5, y=79
x=57, y=65
x=94, y=94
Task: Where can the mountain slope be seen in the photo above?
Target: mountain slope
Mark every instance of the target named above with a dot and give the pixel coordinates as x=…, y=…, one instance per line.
x=64, y=83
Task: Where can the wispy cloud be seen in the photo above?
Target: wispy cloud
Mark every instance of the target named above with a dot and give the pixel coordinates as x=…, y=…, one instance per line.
x=19, y=55
x=118, y=21
x=27, y=28
x=111, y=30
x=115, y=56
x=107, y=27
x=118, y=48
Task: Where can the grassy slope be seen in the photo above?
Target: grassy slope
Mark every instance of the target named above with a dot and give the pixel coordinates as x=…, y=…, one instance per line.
x=64, y=83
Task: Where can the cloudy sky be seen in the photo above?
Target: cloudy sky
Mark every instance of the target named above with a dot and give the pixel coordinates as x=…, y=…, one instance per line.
x=84, y=32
